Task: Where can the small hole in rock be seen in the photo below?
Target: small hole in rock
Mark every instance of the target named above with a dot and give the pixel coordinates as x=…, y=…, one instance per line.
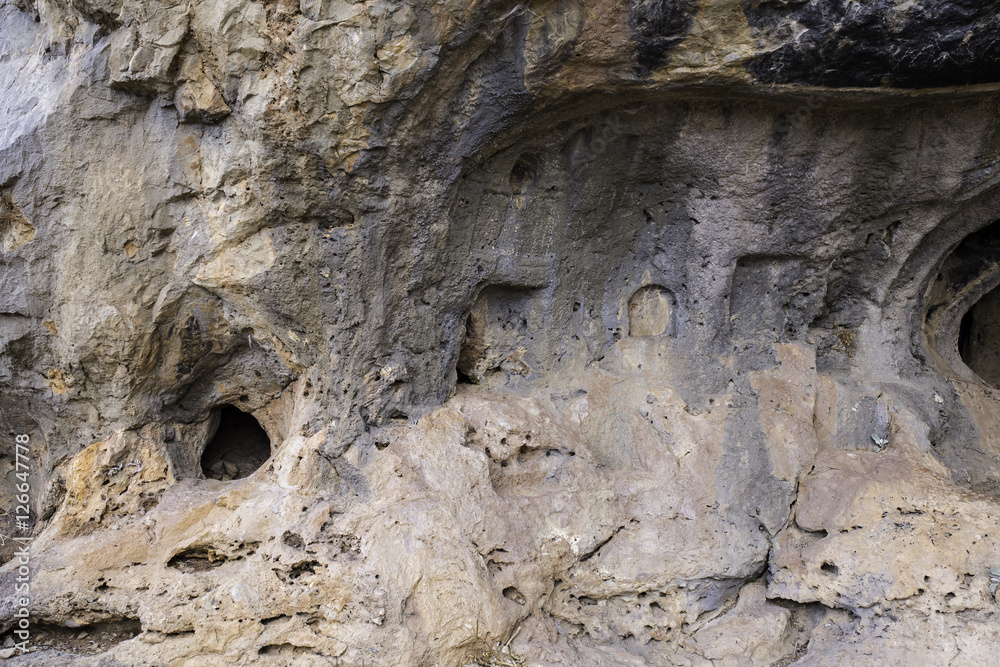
x=292, y=540
x=514, y=595
x=238, y=448
x=829, y=568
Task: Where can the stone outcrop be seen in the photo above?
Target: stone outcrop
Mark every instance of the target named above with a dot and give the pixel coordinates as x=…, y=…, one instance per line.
x=376, y=333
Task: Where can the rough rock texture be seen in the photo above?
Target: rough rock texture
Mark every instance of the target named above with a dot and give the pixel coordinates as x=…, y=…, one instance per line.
x=632, y=333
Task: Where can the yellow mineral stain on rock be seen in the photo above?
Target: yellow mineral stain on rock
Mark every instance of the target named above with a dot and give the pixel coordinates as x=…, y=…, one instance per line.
x=574, y=47
x=719, y=43
x=15, y=230
x=57, y=381
x=108, y=479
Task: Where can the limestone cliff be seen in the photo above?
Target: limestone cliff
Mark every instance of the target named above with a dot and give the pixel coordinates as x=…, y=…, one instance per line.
x=624, y=332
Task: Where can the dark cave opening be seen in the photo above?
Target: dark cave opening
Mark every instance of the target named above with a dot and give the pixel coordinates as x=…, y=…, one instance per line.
x=963, y=307
x=965, y=336
x=238, y=448
x=979, y=338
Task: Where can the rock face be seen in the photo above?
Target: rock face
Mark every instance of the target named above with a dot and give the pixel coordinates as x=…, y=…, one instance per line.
x=376, y=333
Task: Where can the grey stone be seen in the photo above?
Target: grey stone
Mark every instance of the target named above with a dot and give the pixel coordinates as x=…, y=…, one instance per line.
x=568, y=328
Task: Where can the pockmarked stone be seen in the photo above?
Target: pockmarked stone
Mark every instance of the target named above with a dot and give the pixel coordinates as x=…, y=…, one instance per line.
x=591, y=333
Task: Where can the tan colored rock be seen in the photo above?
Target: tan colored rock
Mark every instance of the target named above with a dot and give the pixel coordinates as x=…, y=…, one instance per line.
x=708, y=263
x=649, y=312
x=15, y=230
x=200, y=102
x=786, y=397
x=142, y=55
x=753, y=633
x=236, y=266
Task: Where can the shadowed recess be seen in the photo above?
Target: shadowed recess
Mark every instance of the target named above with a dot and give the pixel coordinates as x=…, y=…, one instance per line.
x=238, y=447
x=978, y=341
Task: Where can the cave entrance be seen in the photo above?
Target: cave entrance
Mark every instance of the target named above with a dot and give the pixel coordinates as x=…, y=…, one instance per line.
x=979, y=338
x=962, y=309
x=238, y=448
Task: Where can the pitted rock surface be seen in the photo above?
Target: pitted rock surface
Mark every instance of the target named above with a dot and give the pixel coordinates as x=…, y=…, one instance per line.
x=382, y=332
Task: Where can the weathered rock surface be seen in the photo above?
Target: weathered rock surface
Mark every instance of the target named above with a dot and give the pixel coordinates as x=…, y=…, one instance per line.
x=632, y=333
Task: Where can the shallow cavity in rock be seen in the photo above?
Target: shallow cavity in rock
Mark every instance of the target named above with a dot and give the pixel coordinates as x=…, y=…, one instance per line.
x=978, y=341
x=237, y=449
